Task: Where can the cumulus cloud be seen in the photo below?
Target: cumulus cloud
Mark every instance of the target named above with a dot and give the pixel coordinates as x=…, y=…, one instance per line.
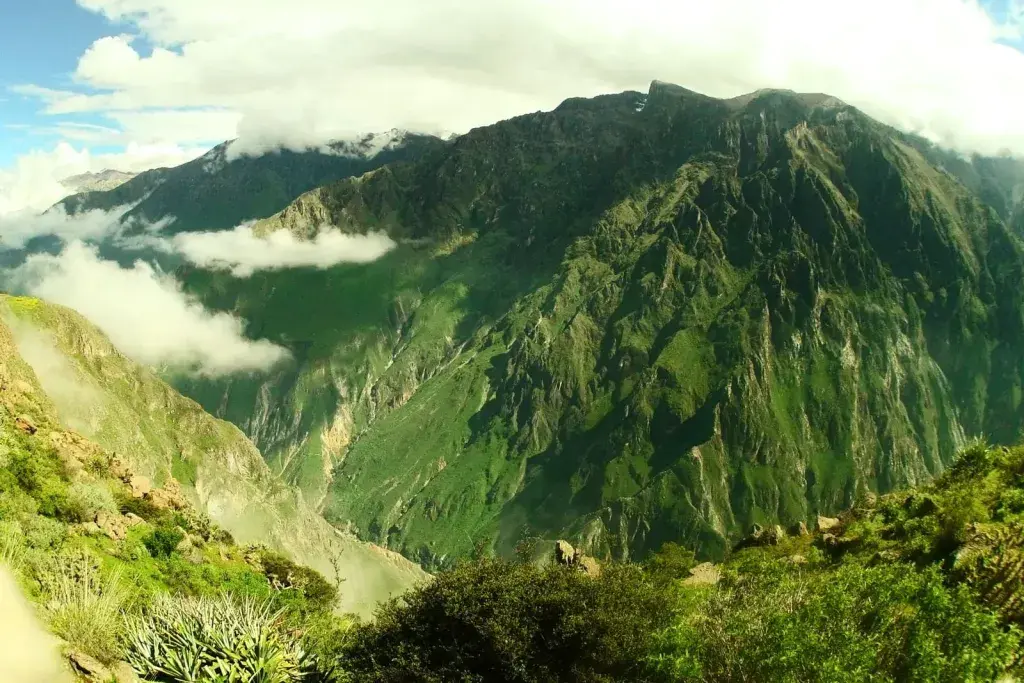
x=34, y=182
x=16, y=229
x=317, y=69
x=243, y=253
x=146, y=314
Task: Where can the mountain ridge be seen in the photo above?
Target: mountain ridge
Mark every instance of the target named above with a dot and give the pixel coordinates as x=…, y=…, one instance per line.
x=648, y=317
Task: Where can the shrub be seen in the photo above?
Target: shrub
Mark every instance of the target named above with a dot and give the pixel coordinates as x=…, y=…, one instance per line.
x=184, y=639
x=887, y=623
x=162, y=541
x=85, y=500
x=497, y=621
x=12, y=546
x=315, y=592
x=83, y=607
x=670, y=563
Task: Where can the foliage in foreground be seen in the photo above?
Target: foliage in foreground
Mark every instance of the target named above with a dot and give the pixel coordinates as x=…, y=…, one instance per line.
x=181, y=640
x=919, y=586
x=499, y=621
x=856, y=623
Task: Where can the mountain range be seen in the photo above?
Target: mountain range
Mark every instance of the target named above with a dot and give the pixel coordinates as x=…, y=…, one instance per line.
x=638, y=318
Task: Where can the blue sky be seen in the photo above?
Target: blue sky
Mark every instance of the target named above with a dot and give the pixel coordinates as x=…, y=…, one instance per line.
x=40, y=42
x=296, y=73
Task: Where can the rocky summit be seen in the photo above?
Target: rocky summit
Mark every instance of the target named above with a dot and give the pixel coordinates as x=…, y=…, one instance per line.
x=636, y=318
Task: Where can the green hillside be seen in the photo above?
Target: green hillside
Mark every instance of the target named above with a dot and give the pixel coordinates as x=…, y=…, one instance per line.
x=637, y=318
x=161, y=437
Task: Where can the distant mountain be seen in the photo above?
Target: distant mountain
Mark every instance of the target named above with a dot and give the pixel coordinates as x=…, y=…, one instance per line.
x=96, y=182
x=637, y=318
x=218, y=190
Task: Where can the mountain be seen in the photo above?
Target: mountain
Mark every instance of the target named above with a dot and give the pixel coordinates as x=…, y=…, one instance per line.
x=92, y=390
x=637, y=318
x=220, y=190
x=96, y=182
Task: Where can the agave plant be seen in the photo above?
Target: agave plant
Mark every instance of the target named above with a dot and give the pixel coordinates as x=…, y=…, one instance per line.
x=218, y=640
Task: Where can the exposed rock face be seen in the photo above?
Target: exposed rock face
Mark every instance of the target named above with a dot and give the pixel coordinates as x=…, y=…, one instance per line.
x=567, y=555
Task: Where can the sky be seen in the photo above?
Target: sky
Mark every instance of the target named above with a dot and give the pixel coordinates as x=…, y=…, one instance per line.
x=133, y=84
x=87, y=85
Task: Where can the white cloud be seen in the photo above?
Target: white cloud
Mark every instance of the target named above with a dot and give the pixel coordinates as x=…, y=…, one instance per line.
x=33, y=184
x=326, y=68
x=18, y=228
x=243, y=253
x=146, y=314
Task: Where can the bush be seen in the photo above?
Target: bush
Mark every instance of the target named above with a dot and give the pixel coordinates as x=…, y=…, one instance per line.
x=315, y=592
x=670, y=563
x=83, y=607
x=497, y=621
x=214, y=639
x=887, y=623
x=162, y=541
x=85, y=500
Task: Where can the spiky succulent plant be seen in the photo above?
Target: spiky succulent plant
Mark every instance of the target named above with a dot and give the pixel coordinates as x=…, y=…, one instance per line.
x=218, y=640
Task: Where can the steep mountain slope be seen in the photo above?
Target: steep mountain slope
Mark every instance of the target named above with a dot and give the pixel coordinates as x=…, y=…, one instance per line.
x=131, y=413
x=215, y=193
x=634, y=319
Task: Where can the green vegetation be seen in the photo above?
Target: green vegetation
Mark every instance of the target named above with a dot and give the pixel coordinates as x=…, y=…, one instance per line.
x=635, y=327
x=201, y=639
x=876, y=598
x=165, y=441
x=113, y=564
x=499, y=621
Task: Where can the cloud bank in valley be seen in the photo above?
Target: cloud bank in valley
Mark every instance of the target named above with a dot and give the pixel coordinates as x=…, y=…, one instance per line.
x=16, y=229
x=311, y=70
x=146, y=314
x=243, y=253
x=145, y=311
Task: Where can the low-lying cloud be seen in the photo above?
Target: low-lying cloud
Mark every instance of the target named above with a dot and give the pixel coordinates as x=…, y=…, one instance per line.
x=242, y=252
x=16, y=229
x=146, y=314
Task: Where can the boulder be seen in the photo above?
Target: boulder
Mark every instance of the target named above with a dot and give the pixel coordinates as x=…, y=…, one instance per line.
x=799, y=529
x=113, y=525
x=827, y=523
x=704, y=574
x=139, y=485
x=88, y=668
x=168, y=497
